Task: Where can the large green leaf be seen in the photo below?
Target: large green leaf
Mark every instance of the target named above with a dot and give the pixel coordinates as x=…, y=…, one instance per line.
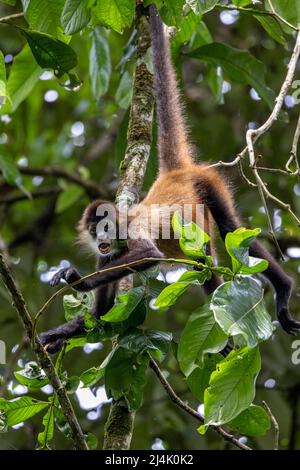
x=32, y=376
x=272, y=27
x=171, y=12
x=50, y=52
x=46, y=435
x=254, y=421
x=77, y=304
x=100, y=63
x=289, y=10
x=44, y=16
x=125, y=376
x=202, y=6
x=192, y=237
x=125, y=305
x=232, y=386
x=201, y=335
x=75, y=15
x=153, y=342
x=116, y=14
x=237, y=245
x=20, y=409
x=198, y=380
x=240, y=66
x=239, y=309
x=184, y=33
x=23, y=76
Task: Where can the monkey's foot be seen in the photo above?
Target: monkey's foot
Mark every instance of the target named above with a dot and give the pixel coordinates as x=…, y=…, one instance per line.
x=291, y=326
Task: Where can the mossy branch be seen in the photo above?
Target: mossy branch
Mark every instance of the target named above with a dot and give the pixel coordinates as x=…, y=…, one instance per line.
x=119, y=426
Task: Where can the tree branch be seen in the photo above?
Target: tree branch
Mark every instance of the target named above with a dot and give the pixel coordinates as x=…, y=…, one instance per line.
x=43, y=357
x=119, y=426
x=183, y=405
x=92, y=188
x=275, y=424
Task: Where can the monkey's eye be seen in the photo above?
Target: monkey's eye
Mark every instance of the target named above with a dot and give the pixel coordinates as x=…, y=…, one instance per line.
x=93, y=231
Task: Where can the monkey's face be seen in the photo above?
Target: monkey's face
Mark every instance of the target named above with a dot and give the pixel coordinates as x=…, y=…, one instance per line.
x=99, y=229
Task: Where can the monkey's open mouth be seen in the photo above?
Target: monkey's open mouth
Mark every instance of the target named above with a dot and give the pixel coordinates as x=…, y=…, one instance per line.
x=104, y=248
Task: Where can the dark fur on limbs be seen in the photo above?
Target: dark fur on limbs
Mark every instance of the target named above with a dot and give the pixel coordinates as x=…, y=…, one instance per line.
x=106, y=285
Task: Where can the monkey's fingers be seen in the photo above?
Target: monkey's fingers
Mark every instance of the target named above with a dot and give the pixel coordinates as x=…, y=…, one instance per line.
x=55, y=281
x=291, y=326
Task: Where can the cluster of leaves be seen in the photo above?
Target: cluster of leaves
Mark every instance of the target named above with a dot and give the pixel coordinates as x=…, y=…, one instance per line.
x=235, y=310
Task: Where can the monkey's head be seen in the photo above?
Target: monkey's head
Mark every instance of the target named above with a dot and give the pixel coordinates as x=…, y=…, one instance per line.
x=99, y=229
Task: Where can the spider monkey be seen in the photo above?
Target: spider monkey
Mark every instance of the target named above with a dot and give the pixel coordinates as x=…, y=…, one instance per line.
x=180, y=181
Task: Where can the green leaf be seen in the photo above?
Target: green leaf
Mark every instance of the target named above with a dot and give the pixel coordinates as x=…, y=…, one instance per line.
x=254, y=421
x=240, y=66
x=32, y=376
x=125, y=375
x=46, y=436
x=170, y=294
x=198, y=380
x=201, y=335
x=20, y=409
x=272, y=27
x=184, y=33
x=202, y=6
x=3, y=85
x=289, y=10
x=193, y=238
x=91, y=376
x=242, y=3
x=171, y=12
x=10, y=171
x=116, y=14
x=239, y=308
x=44, y=16
x=91, y=441
x=237, y=245
x=125, y=305
x=150, y=341
x=77, y=304
x=75, y=15
x=232, y=386
x=68, y=197
x=124, y=91
x=9, y=2
x=51, y=53
x=100, y=64
x=23, y=76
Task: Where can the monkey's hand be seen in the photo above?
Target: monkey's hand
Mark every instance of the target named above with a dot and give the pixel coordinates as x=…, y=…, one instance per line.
x=69, y=275
x=287, y=322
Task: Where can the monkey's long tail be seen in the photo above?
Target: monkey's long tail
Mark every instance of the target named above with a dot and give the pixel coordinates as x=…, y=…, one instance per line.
x=173, y=147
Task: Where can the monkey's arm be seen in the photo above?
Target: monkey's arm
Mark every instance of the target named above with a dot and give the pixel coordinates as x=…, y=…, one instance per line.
x=104, y=300
x=137, y=250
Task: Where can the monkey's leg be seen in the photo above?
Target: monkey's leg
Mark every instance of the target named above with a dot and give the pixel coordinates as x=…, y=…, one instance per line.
x=218, y=199
x=137, y=250
x=55, y=338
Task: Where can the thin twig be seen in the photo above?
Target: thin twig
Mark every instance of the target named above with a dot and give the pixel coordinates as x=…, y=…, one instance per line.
x=253, y=135
x=275, y=424
x=42, y=356
x=14, y=16
x=282, y=19
x=45, y=191
x=183, y=405
x=294, y=152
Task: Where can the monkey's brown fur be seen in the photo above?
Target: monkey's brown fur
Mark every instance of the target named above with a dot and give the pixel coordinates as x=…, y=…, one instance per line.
x=180, y=181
